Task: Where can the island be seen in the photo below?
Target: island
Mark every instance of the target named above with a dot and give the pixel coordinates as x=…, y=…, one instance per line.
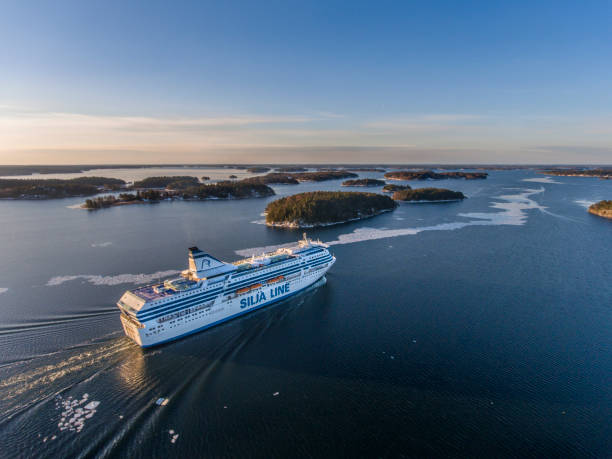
x=324, y=208
x=601, y=209
x=365, y=169
x=171, y=182
x=428, y=195
x=363, y=182
x=205, y=178
x=228, y=190
x=392, y=188
x=431, y=175
x=233, y=176
x=140, y=197
x=221, y=190
x=258, y=169
x=297, y=177
x=57, y=188
x=580, y=172
x=291, y=169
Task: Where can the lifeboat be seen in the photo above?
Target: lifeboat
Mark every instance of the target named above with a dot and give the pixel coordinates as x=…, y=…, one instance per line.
x=240, y=291
x=275, y=279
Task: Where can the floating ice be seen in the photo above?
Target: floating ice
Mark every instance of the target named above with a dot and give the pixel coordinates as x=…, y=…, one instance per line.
x=513, y=212
x=74, y=416
x=92, y=405
x=542, y=180
x=161, y=401
x=584, y=203
x=275, y=394
x=101, y=244
x=113, y=280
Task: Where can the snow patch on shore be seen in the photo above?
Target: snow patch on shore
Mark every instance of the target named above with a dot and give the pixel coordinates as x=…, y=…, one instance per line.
x=97, y=279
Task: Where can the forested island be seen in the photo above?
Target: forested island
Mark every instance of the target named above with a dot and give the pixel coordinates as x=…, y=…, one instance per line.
x=363, y=182
x=291, y=169
x=57, y=188
x=392, y=188
x=601, y=209
x=297, y=177
x=139, y=197
x=258, y=169
x=428, y=195
x=227, y=190
x=172, y=182
x=431, y=175
x=200, y=192
x=580, y=172
x=323, y=208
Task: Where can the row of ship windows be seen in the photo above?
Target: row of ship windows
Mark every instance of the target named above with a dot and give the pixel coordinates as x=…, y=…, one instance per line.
x=258, y=274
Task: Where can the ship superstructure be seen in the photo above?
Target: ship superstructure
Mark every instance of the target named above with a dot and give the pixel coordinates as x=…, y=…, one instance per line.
x=211, y=291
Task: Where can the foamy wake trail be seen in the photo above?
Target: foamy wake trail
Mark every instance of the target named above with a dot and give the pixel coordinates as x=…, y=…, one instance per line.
x=513, y=212
x=97, y=279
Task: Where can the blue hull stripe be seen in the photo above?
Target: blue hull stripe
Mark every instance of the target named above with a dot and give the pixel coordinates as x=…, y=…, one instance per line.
x=165, y=307
x=229, y=318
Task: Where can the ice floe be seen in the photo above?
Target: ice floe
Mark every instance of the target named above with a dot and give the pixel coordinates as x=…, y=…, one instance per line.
x=74, y=414
x=584, y=203
x=542, y=180
x=97, y=279
x=101, y=244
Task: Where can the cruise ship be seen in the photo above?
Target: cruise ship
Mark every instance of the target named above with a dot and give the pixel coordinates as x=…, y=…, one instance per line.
x=211, y=291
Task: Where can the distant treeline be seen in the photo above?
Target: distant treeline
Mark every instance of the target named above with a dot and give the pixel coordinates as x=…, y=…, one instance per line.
x=297, y=177
x=174, y=183
x=326, y=207
x=578, y=172
x=228, y=190
x=363, y=182
x=428, y=194
x=431, y=175
x=391, y=187
x=56, y=188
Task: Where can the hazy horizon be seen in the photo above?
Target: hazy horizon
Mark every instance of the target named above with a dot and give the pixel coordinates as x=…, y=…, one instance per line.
x=309, y=82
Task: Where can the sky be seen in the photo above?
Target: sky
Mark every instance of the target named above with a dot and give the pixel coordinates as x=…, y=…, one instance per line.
x=288, y=82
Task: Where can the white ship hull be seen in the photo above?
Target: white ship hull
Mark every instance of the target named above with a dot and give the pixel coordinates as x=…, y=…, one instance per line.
x=148, y=327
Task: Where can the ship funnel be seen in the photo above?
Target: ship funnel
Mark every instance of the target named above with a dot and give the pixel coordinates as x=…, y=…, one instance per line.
x=201, y=264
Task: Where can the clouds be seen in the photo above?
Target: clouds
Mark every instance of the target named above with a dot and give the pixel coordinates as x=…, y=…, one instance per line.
x=31, y=136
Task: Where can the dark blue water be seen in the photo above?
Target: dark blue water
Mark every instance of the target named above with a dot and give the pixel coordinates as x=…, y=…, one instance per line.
x=476, y=328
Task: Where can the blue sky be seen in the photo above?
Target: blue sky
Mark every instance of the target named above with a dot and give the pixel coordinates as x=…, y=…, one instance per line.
x=128, y=81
